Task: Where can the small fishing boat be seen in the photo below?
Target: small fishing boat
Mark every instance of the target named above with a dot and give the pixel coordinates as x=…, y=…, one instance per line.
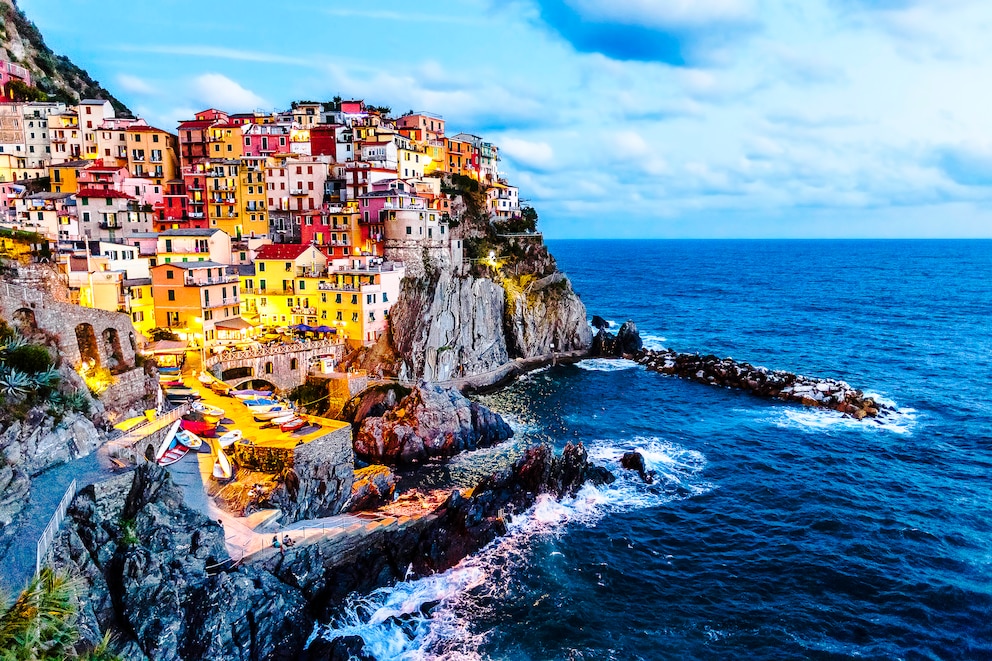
x=205, y=378
x=210, y=413
x=181, y=393
x=176, y=452
x=283, y=419
x=220, y=388
x=168, y=370
x=223, y=470
x=275, y=412
x=250, y=394
x=260, y=405
x=293, y=425
x=197, y=423
x=189, y=439
x=230, y=438
x=167, y=441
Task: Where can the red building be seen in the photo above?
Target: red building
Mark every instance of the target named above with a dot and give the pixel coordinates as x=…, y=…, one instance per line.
x=323, y=140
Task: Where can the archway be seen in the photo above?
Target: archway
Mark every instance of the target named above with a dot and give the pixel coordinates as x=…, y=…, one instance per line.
x=25, y=319
x=257, y=384
x=112, y=350
x=89, y=351
x=237, y=373
x=134, y=343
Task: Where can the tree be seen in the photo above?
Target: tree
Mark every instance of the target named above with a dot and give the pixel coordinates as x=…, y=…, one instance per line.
x=18, y=90
x=41, y=623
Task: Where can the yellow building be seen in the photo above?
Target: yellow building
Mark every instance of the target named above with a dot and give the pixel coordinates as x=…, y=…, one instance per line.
x=225, y=141
x=271, y=292
x=65, y=176
x=151, y=153
x=251, y=197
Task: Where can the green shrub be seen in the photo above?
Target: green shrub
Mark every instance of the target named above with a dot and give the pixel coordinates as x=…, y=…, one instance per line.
x=30, y=358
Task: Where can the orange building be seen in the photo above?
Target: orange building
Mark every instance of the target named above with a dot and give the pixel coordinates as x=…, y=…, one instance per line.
x=192, y=297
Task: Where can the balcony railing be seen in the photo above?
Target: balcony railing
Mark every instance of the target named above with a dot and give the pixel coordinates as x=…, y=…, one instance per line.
x=202, y=282
x=207, y=305
x=271, y=292
x=298, y=191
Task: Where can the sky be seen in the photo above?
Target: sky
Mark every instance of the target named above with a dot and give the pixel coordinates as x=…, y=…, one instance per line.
x=616, y=118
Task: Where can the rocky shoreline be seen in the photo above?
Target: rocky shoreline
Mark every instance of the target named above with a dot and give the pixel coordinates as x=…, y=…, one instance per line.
x=728, y=373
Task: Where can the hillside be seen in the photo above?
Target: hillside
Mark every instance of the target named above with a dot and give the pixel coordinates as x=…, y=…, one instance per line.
x=21, y=43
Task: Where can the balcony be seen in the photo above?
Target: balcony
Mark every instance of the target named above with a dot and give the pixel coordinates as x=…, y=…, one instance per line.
x=203, y=282
x=223, y=187
x=113, y=225
x=271, y=292
x=196, y=215
x=224, y=302
x=299, y=191
x=305, y=311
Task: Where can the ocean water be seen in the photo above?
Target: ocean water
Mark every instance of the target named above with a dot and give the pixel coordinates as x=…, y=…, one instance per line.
x=770, y=532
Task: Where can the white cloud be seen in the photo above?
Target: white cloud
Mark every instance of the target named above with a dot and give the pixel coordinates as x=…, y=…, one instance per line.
x=217, y=90
x=532, y=155
x=217, y=52
x=134, y=84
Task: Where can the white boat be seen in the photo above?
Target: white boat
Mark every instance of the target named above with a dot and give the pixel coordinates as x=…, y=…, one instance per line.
x=189, y=439
x=205, y=378
x=169, y=437
x=250, y=394
x=230, y=438
x=283, y=419
x=210, y=413
x=222, y=467
x=275, y=412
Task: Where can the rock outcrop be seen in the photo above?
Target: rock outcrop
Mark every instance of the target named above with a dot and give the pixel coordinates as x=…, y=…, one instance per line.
x=373, y=487
x=626, y=342
x=160, y=579
x=319, y=482
x=430, y=423
x=448, y=326
x=39, y=441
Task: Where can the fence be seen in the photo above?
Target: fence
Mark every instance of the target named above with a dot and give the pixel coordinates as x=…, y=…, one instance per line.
x=123, y=446
x=52, y=529
x=295, y=347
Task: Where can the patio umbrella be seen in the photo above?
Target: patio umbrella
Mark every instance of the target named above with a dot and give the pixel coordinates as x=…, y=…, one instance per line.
x=301, y=327
x=324, y=329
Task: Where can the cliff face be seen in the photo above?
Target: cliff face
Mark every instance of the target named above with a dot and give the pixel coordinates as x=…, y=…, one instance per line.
x=56, y=75
x=453, y=325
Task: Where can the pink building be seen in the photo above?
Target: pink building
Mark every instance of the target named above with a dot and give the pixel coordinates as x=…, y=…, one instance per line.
x=266, y=139
x=10, y=72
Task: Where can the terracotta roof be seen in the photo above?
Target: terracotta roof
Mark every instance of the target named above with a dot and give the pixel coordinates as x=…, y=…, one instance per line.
x=145, y=129
x=96, y=192
x=281, y=250
x=196, y=123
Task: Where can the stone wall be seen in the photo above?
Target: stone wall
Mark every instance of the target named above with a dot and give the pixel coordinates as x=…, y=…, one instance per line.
x=127, y=396
x=261, y=458
x=282, y=375
x=319, y=483
x=114, y=338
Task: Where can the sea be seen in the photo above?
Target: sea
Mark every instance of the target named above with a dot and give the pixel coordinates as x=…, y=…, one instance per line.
x=771, y=531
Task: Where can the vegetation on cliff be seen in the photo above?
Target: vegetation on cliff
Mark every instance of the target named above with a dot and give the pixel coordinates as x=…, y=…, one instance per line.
x=56, y=77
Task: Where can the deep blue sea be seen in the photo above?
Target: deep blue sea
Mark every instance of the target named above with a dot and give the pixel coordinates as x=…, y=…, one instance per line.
x=773, y=532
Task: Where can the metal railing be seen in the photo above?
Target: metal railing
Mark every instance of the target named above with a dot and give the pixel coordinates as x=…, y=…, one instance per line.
x=52, y=529
x=270, y=351
x=126, y=443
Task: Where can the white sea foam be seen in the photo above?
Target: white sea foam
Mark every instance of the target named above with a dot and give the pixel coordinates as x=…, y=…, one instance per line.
x=606, y=364
x=391, y=620
x=899, y=421
x=653, y=342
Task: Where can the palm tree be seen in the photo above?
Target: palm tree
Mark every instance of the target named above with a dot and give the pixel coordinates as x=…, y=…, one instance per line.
x=40, y=625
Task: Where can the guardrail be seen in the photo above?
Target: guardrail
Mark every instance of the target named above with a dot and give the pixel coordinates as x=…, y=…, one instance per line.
x=269, y=351
x=52, y=529
x=117, y=447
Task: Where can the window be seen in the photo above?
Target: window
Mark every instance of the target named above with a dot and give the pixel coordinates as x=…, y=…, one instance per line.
x=208, y=315
x=385, y=298
x=338, y=316
x=354, y=316
x=288, y=266
x=268, y=368
x=409, y=230
x=354, y=299
x=169, y=275
x=294, y=364
x=337, y=298
x=172, y=294
x=303, y=285
x=261, y=267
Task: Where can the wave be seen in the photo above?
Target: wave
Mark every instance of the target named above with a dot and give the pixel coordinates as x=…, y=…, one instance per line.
x=653, y=342
x=900, y=421
x=606, y=364
x=431, y=617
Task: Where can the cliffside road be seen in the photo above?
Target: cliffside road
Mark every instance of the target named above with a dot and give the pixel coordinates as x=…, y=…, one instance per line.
x=18, y=560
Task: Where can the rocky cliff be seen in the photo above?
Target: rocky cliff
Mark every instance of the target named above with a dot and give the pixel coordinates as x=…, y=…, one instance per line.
x=55, y=75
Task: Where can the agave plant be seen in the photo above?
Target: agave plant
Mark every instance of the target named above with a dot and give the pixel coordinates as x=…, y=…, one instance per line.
x=15, y=342
x=14, y=383
x=49, y=377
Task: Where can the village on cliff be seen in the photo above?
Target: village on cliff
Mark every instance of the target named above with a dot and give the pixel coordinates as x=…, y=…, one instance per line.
x=236, y=223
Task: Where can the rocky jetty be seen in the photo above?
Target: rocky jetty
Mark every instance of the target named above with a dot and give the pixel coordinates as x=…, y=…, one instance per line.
x=763, y=382
x=430, y=423
x=159, y=577
x=729, y=373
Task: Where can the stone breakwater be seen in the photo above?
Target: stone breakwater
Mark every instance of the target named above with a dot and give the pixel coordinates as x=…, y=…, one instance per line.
x=763, y=382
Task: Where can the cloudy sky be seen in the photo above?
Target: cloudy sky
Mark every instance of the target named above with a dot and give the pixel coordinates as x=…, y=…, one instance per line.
x=619, y=118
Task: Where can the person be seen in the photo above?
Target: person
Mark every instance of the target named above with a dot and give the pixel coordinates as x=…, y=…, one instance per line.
x=287, y=540
x=275, y=541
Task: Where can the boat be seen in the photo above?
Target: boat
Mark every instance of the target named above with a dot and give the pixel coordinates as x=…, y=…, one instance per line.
x=168, y=370
x=189, y=439
x=220, y=388
x=283, y=419
x=210, y=413
x=169, y=437
x=260, y=405
x=205, y=378
x=222, y=467
x=250, y=394
x=230, y=438
x=197, y=423
x=181, y=393
x=176, y=452
x=293, y=425
x=131, y=423
x=275, y=412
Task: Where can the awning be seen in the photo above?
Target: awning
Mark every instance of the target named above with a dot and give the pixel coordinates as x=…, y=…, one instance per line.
x=238, y=323
x=173, y=347
x=302, y=327
x=325, y=329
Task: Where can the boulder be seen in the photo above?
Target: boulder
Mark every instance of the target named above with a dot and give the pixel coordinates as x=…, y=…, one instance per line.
x=599, y=323
x=635, y=461
x=430, y=423
x=628, y=339
x=373, y=487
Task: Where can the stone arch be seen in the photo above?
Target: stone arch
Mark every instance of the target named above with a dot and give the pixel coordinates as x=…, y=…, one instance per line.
x=258, y=384
x=112, y=349
x=150, y=453
x=237, y=373
x=25, y=318
x=89, y=350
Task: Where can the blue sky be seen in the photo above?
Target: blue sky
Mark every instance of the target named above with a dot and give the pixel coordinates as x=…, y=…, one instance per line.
x=627, y=118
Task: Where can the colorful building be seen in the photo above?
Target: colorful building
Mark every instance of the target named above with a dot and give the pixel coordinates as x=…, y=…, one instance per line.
x=192, y=297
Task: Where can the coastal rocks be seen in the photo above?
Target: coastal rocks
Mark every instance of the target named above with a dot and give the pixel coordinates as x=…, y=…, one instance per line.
x=159, y=577
x=14, y=489
x=545, y=316
x=319, y=483
x=626, y=342
x=431, y=422
x=326, y=571
x=40, y=442
x=634, y=461
x=776, y=384
x=373, y=487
